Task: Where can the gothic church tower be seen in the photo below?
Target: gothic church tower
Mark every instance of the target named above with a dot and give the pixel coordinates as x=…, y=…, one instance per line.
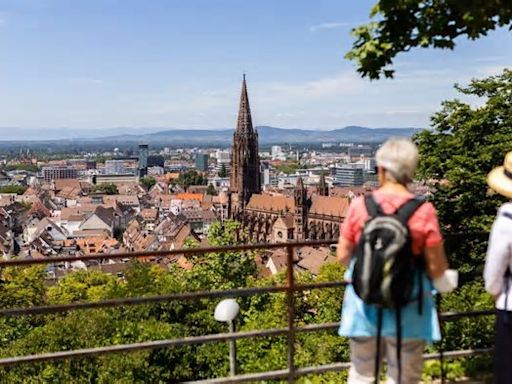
x=245, y=161
x=301, y=210
x=322, y=188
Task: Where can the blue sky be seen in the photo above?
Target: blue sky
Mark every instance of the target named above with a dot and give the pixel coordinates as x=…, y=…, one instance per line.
x=178, y=64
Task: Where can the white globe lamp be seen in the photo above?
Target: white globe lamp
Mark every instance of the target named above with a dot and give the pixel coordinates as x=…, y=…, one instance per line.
x=226, y=311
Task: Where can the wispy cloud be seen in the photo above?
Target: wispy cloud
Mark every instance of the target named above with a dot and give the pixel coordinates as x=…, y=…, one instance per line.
x=329, y=25
x=337, y=84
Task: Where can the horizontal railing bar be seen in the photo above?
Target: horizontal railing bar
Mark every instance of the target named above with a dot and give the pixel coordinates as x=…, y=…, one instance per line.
x=457, y=354
x=334, y=367
x=247, y=378
x=162, y=344
x=90, y=352
x=449, y=316
x=159, y=344
x=174, y=252
x=322, y=369
x=239, y=292
x=48, y=309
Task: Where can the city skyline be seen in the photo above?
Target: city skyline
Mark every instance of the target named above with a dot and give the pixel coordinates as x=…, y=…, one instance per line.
x=177, y=65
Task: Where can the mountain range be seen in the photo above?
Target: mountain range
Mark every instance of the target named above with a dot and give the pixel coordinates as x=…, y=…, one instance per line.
x=267, y=135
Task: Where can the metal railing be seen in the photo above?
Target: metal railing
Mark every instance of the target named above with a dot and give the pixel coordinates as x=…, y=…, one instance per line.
x=291, y=288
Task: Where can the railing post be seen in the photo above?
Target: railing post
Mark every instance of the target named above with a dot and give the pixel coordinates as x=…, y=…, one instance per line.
x=232, y=350
x=291, y=312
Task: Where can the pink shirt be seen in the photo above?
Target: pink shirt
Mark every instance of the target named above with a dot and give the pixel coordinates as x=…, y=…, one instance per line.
x=423, y=224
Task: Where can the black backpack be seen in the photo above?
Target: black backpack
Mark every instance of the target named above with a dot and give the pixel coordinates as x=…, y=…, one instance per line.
x=385, y=267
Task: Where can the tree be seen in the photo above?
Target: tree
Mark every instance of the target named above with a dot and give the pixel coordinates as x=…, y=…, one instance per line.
x=191, y=178
x=211, y=190
x=108, y=189
x=288, y=167
x=22, y=167
x=17, y=189
x=225, y=269
x=148, y=182
x=223, y=171
x=402, y=25
x=20, y=287
x=464, y=144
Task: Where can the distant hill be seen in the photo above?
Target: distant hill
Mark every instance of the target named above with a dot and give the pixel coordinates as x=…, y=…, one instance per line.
x=267, y=135
x=270, y=135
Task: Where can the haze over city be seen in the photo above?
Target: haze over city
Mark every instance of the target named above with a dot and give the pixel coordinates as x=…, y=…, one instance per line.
x=98, y=65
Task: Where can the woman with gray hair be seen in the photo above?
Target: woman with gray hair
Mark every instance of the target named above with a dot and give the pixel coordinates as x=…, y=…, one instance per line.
x=400, y=332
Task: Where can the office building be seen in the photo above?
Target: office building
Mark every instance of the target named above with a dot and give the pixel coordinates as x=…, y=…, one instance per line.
x=348, y=176
x=143, y=160
x=223, y=160
x=202, y=162
x=114, y=167
x=360, y=151
x=277, y=153
x=59, y=172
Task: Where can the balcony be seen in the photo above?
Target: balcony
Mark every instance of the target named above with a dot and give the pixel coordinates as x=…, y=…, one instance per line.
x=292, y=332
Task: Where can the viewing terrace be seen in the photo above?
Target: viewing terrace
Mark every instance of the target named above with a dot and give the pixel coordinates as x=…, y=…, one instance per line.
x=290, y=373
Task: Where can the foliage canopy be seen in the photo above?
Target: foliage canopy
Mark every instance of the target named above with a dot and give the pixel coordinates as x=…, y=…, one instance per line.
x=464, y=144
x=17, y=189
x=192, y=177
x=88, y=328
x=400, y=25
x=107, y=188
x=148, y=182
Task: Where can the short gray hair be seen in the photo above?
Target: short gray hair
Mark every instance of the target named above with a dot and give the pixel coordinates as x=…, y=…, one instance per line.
x=399, y=157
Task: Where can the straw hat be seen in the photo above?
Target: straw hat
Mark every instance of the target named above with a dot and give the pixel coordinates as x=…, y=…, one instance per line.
x=500, y=178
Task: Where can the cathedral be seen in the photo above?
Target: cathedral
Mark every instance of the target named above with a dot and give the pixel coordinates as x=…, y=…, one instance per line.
x=276, y=218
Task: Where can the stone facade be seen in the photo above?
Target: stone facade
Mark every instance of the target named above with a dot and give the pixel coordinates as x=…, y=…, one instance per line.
x=276, y=218
x=245, y=162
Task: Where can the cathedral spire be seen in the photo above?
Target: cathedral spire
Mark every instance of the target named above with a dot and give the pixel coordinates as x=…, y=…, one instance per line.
x=322, y=188
x=245, y=161
x=300, y=184
x=244, y=123
x=301, y=210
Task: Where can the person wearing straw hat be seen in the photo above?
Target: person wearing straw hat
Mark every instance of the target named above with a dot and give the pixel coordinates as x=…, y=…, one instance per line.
x=497, y=271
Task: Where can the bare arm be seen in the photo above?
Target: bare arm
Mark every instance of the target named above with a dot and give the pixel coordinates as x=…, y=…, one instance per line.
x=344, y=251
x=436, y=261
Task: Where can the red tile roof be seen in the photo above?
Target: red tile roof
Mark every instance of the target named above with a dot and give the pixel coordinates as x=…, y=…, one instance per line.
x=263, y=202
x=329, y=206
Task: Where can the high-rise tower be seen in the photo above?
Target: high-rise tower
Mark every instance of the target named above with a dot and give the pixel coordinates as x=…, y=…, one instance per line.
x=143, y=160
x=245, y=161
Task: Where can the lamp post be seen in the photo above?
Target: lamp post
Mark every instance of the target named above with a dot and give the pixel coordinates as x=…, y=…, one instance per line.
x=226, y=312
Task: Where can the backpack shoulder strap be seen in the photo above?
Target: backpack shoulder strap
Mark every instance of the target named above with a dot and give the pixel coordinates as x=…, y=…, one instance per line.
x=372, y=207
x=408, y=208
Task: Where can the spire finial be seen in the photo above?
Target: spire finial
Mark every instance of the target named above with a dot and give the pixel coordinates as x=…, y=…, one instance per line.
x=244, y=114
